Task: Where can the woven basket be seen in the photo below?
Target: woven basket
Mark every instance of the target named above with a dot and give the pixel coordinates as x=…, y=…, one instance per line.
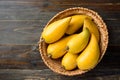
x=55, y=65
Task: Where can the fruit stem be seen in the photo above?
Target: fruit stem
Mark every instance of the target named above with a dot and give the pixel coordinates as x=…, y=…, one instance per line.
x=67, y=48
x=49, y=55
x=42, y=39
x=63, y=67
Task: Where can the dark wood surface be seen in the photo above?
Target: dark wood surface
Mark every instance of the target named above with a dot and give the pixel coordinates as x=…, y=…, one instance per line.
x=21, y=23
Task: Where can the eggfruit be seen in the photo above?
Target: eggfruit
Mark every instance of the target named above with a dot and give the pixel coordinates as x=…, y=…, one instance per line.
x=69, y=61
x=76, y=23
x=88, y=59
x=55, y=30
x=76, y=44
x=92, y=27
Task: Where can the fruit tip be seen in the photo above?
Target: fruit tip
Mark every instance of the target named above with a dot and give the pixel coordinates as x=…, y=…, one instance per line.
x=49, y=55
x=63, y=67
x=42, y=39
x=69, y=18
x=85, y=28
x=67, y=48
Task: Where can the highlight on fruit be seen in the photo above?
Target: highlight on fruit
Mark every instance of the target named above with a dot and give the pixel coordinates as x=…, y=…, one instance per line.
x=74, y=40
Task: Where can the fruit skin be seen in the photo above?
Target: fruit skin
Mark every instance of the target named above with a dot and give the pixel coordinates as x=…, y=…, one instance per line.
x=55, y=30
x=76, y=44
x=88, y=59
x=92, y=27
x=58, y=49
x=76, y=23
x=69, y=61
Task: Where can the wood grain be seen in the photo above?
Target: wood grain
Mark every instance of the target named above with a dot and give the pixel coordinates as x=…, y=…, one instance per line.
x=21, y=24
x=47, y=74
x=32, y=19
x=28, y=57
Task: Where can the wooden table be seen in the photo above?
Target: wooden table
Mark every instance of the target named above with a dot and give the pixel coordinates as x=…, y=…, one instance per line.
x=21, y=23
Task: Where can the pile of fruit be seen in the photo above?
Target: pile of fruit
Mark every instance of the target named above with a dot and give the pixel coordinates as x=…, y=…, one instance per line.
x=74, y=40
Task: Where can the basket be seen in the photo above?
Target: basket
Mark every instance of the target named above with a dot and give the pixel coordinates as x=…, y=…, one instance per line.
x=55, y=65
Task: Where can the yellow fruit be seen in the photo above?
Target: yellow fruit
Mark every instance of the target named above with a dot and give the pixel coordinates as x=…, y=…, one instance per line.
x=92, y=27
x=55, y=30
x=88, y=59
x=76, y=23
x=79, y=42
x=58, y=49
x=69, y=61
